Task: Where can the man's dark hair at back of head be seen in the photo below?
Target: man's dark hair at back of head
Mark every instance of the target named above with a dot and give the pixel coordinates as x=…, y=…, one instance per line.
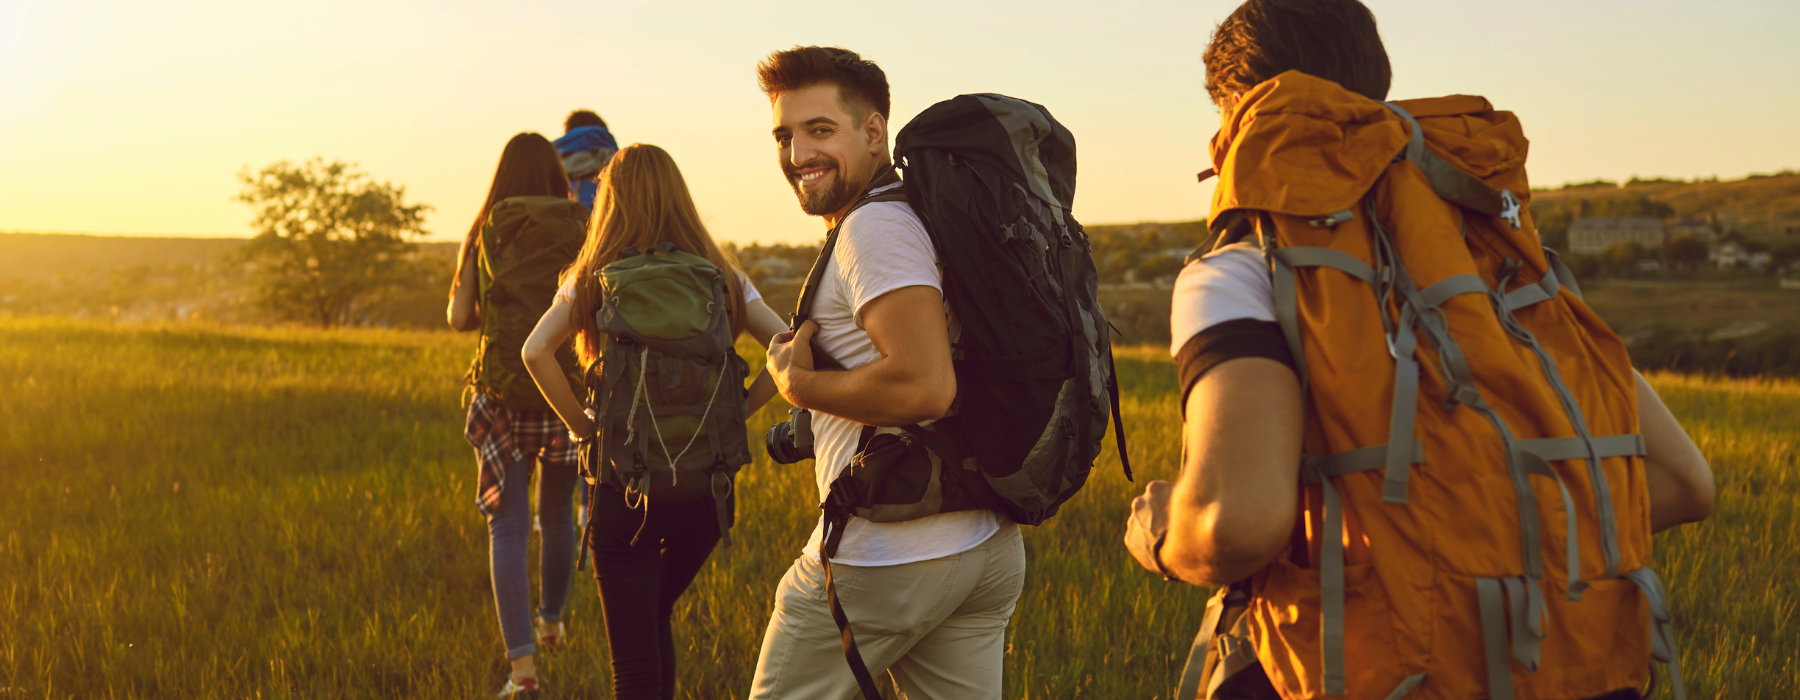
x=862, y=86
x=583, y=117
x=1331, y=39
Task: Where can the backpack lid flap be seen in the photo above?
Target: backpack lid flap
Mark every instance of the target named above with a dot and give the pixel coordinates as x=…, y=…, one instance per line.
x=666, y=297
x=1014, y=135
x=1303, y=146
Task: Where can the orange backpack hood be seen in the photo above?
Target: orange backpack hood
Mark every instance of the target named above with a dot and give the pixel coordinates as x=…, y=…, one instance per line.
x=1305, y=146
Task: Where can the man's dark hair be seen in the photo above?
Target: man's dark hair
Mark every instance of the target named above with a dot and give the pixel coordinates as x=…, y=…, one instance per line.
x=583, y=117
x=862, y=87
x=1331, y=39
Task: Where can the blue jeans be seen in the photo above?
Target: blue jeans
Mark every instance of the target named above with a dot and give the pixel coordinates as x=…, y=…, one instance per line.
x=509, y=535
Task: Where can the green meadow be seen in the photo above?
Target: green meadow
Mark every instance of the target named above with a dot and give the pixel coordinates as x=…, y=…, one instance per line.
x=198, y=512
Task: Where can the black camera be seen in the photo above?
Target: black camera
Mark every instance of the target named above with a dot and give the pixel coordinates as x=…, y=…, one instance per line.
x=791, y=441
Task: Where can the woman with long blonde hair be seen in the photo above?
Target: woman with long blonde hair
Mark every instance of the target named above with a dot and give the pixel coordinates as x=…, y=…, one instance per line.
x=642, y=202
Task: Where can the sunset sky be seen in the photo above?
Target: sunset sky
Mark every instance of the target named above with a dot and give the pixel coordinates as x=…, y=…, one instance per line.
x=127, y=117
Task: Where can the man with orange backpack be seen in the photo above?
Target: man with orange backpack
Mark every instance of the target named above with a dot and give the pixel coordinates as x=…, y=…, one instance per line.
x=1419, y=464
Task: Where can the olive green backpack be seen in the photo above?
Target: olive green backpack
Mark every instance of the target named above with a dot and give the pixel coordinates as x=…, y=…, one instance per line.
x=668, y=391
x=525, y=243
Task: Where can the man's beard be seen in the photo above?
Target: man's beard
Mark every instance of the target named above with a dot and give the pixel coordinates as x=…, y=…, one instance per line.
x=821, y=202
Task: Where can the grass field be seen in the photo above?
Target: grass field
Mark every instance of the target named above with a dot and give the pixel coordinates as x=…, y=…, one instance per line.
x=204, y=513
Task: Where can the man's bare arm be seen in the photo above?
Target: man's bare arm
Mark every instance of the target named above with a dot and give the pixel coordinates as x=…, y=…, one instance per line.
x=1232, y=510
x=913, y=381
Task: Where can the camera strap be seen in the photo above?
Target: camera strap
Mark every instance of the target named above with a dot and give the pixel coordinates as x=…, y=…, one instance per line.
x=837, y=517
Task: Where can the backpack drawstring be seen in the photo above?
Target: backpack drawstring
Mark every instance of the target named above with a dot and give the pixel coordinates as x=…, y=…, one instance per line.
x=638, y=396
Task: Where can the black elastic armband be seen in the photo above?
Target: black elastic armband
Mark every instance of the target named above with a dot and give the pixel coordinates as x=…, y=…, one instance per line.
x=1243, y=337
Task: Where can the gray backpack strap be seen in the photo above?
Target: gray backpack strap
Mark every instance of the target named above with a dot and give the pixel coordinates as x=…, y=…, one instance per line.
x=1222, y=664
x=1197, y=657
x=1451, y=183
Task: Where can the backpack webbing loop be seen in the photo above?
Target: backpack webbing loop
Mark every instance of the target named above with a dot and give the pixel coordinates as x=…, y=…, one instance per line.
x=1535, y=464
x=1512, y=629
x=1493, y=638
x=1406, y=686
x=1662, y=626
x=1331, y=591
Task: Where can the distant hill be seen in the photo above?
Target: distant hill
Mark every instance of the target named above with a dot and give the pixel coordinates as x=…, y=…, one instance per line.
x=1763, y=207
x=38, y=257
x=132, y=278
x=42, y=257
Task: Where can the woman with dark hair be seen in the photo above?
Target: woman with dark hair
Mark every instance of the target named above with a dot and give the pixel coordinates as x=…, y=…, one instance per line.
x=527, y=231
x=643, y=203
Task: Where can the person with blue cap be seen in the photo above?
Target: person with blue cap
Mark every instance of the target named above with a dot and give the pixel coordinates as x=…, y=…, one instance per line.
x=586, y=147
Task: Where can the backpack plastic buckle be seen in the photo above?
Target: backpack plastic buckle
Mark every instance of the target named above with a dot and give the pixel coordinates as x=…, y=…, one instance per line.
x=1509, y=209
x=1331, y=220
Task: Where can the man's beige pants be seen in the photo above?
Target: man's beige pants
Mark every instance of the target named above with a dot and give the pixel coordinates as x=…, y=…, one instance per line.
x=937, y=626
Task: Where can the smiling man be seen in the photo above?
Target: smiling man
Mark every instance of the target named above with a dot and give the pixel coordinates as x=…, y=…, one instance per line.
x=928, y=599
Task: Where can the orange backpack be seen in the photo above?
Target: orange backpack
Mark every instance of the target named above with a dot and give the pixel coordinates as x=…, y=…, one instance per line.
x=1475, y=516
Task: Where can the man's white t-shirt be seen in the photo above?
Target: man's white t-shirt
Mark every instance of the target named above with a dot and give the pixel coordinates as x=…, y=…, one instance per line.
x=1227, y=284
x=881, y=247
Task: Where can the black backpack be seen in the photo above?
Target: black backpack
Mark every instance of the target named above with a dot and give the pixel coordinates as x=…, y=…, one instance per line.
x=992, y=177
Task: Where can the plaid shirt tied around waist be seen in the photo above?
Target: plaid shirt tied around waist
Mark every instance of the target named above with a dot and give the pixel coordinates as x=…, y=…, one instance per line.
x=506, y=441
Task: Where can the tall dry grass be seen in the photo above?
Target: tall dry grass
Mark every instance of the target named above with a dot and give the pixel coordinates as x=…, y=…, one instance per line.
x=199, y=512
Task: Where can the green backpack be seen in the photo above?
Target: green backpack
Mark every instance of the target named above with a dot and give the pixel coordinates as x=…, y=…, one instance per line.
x=668, y=391
x=525, y=243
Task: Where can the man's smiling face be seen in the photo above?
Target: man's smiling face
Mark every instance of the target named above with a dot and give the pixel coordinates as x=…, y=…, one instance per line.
x=827, y=152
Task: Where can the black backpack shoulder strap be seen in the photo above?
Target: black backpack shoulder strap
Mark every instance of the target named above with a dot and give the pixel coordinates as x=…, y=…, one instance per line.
x=803, y=308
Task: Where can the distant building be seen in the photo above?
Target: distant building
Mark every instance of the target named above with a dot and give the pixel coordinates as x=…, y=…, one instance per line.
x=1593, y=235
x=1692, y=226
x=771, y=268
x=1733, y=255
x=1728, y=255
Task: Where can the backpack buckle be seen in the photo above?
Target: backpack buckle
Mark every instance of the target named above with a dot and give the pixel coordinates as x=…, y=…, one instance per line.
x=1509, y=209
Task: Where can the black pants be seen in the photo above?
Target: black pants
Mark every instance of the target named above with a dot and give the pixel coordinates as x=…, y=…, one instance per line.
x=639, y=585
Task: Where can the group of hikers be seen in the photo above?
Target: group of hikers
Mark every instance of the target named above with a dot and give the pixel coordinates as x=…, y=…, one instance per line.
x=1464, y=517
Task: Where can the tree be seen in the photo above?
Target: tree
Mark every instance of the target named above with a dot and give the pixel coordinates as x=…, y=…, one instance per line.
x=1621, y=258
x=328, y=238
x=1685, y=252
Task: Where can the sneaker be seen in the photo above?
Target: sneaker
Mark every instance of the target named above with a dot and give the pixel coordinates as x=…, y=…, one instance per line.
x=519, y=688
x=549, y=634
